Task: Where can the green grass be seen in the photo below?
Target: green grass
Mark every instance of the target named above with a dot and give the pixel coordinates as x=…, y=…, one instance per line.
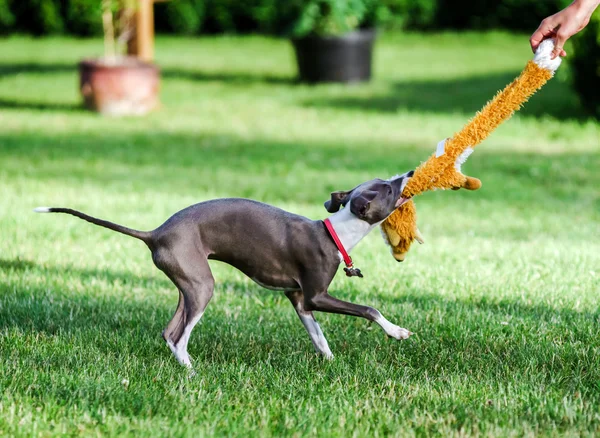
x=503, y=296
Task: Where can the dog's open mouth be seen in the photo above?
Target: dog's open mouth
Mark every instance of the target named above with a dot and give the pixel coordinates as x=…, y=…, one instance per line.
x=401, y=201
x=404, y=199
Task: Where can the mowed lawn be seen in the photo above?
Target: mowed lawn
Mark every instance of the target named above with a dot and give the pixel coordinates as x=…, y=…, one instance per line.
x=503, y=296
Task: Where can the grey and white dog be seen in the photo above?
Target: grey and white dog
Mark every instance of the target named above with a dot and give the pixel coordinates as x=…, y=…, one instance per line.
x=278, y=250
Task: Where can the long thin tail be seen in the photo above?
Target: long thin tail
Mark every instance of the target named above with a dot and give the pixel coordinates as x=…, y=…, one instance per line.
x=145, y=236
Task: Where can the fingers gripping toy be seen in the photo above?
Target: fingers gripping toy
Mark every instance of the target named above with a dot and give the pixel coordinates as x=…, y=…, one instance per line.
x=443, y=168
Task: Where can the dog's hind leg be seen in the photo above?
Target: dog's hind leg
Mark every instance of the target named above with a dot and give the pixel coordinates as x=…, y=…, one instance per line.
x=174, y=329
x=310, y=323
x=193, y=278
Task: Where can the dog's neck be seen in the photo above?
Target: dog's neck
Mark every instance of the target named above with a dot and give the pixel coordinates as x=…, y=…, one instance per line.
x=349, y=228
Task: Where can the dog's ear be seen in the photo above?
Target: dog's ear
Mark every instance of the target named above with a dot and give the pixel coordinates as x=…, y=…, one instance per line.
x=361, y=204
x=337, y=199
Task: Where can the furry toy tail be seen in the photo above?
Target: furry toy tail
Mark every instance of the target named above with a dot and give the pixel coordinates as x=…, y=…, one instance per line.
x=443, y=168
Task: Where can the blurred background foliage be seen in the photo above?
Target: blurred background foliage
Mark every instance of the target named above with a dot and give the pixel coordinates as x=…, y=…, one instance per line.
x=297, y=18
x=281, y=17
x=586, y=65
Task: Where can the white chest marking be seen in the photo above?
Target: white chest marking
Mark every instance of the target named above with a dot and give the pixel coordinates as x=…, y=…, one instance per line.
x=349, y=228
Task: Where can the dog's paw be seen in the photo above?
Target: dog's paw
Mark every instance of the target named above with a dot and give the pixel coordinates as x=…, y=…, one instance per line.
x=399, y=333
x=326, y=356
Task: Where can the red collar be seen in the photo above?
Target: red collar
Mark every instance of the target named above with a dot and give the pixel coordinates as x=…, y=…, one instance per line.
x=349, y=269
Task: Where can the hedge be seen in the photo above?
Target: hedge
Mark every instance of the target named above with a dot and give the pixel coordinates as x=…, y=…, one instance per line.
x=7, y=18
x=585, y=62
x=82, y=17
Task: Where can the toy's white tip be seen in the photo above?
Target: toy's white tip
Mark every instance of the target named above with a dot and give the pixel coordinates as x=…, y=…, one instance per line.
x=42, y=210
x=543, y=56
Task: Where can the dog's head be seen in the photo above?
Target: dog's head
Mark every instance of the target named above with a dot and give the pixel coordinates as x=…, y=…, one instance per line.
x=372, y=201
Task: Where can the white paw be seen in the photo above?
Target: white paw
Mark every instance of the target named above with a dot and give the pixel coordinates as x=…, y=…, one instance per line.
x=398, y=333
x=182, y=356
x=327, y=355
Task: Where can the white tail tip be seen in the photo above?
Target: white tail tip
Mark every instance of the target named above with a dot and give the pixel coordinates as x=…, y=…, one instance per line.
x=42, y=210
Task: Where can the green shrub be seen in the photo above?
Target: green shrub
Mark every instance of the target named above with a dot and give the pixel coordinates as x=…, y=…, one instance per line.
x=39, y=17
x=7, y=19
x=285, y=17
x=222, y=15
x=465, y=14
x=526, y=14
x=335, y=17
x=268, y=16
x=328, y=17
x=407, y=14
x=182, y=17
x=83, y=17
x=585, y=63
x=233, y=16
x=289, y=17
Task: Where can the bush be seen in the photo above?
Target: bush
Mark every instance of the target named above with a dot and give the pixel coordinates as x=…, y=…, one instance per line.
x=7, y=19
x=39, y=17
x=83, y=17
x=585, y=63
x=285, y=17
x=328, y=17
x=408, y=14
x=182, y=17
x=264, y=16
x=524, y=15
x=269, y=17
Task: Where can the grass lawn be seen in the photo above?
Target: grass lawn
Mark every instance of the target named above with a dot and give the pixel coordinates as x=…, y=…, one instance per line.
x=503, y=296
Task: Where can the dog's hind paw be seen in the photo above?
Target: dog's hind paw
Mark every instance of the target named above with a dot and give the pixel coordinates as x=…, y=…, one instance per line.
x=326, y=356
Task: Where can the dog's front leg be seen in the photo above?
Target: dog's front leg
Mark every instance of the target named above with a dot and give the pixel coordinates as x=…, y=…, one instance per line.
x=323, y=302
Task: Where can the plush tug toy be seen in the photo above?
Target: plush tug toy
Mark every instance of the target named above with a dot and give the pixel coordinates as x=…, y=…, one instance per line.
x=443, y=168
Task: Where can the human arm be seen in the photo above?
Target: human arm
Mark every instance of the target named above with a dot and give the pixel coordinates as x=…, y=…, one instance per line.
x=563, y=25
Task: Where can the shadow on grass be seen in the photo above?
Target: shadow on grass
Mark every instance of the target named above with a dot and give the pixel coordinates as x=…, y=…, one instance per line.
x=35, y=68
x=22, y=266
x=231, y=78
x=52, y=313
x=40, y=106
x=209, y=163
x=461, y=95
x=243, y=78
x=57, y=311
x=62, y=333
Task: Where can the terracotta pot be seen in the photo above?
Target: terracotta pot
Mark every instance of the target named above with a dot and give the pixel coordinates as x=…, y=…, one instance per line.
x=125, y=86
x=344, y=58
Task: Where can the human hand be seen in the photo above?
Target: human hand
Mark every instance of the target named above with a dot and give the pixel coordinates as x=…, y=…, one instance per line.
x=563, y=25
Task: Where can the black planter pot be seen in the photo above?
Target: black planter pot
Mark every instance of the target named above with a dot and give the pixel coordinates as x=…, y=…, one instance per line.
x=345, y=58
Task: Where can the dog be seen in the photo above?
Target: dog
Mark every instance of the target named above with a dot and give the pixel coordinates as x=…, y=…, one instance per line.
x=276, y=249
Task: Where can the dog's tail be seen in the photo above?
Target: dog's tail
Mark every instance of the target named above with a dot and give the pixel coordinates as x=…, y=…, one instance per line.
x=144, y=236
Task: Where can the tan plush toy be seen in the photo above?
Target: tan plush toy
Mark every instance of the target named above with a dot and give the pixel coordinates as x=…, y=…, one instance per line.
x=443, y=169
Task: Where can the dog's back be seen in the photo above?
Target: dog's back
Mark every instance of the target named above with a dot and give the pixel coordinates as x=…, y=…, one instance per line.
x=249, y=235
